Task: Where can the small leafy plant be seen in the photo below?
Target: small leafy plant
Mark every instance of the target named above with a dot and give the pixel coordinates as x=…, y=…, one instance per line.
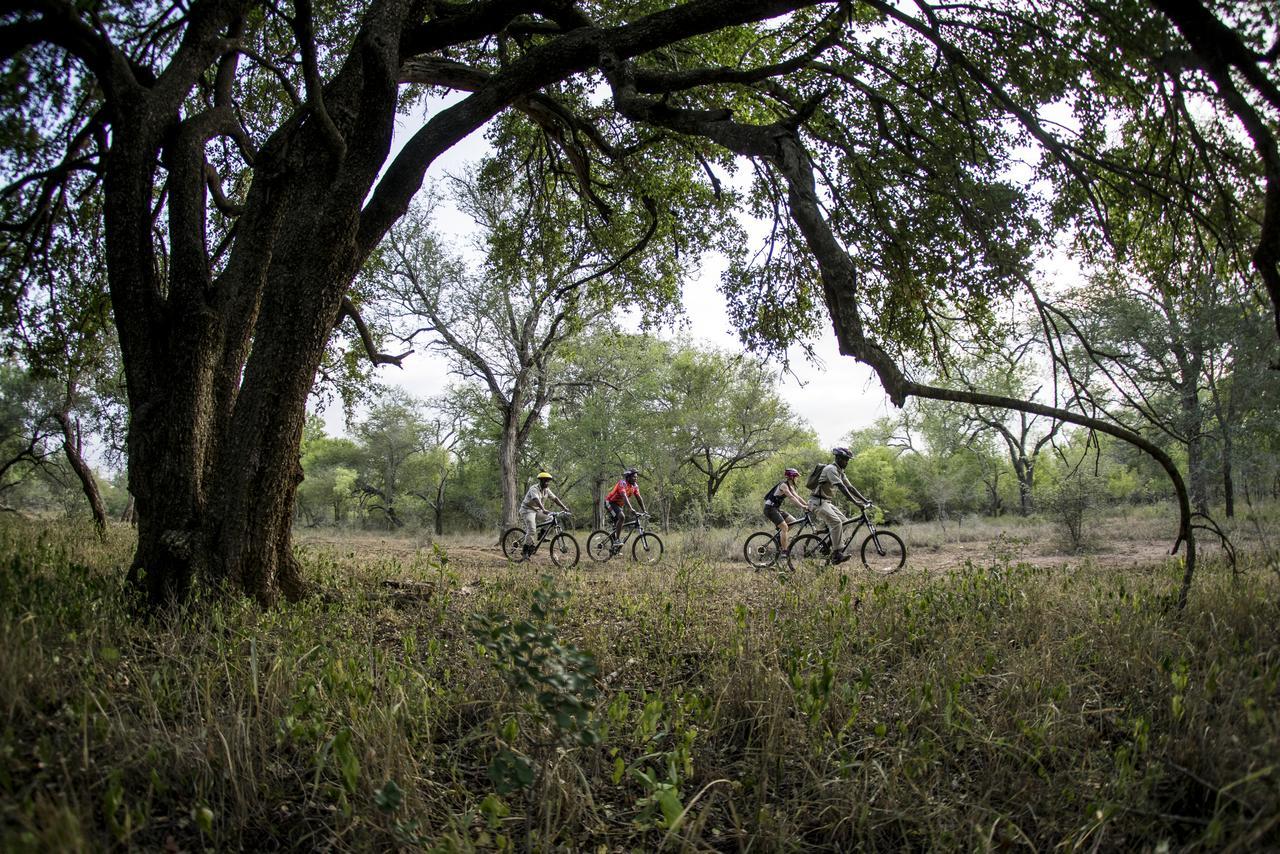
x=558, y=677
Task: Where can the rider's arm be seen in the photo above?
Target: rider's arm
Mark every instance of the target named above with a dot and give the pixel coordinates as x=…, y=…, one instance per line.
x=851, y=492
x=640, y=499
x=794, y=496
x=563, y=506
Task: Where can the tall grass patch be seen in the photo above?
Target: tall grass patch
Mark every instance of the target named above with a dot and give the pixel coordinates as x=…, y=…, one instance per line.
x=692, y=705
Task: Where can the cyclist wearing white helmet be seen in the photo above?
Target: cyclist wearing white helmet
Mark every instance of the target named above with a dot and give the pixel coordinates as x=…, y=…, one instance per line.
x=773, y=500
x=533, y=509
x=824, y=508
x=621, y=494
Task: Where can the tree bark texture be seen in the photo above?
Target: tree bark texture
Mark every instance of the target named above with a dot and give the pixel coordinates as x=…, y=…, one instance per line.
x=216, y=424
x=508, y=468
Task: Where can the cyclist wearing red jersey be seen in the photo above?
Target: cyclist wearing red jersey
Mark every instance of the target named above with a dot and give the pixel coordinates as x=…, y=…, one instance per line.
x=621, y=495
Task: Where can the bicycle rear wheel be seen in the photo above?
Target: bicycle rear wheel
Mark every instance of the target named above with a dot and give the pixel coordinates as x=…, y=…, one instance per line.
x=809, y=553
x=513, y=544
x=564, y=550
x=647, y=549
x=600, y=546
x=761, y=550
x=883, y=552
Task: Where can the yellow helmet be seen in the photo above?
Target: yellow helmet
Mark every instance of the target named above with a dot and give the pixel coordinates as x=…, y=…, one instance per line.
x=545, y=475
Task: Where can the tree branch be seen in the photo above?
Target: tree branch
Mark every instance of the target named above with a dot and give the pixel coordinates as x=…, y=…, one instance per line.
x=303, y=31
x=348, y=310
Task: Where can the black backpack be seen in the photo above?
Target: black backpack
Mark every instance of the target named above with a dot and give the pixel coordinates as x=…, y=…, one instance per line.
x=811, y=482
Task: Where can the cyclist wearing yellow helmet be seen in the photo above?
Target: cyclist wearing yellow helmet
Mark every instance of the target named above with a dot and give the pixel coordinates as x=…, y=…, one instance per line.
x=533, y=509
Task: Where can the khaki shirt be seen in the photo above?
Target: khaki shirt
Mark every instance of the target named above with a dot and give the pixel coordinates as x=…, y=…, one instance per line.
x=831, y=475
x=536, y=493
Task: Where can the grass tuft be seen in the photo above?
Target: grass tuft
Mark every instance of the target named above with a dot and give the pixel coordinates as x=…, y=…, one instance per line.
x=692, y=705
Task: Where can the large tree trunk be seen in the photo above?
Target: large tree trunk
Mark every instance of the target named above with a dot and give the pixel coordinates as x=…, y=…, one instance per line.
x=438, y=508
x=597, y=504
x=1025, y=471
x=218, y=370
x=1193, y=424
x=168, y=369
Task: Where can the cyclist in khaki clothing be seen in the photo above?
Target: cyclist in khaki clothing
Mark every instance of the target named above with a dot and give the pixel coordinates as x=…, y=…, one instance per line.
x=533, y=509
x=824, y=508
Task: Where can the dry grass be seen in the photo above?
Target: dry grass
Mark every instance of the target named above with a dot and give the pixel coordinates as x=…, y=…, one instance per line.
x=999, y=704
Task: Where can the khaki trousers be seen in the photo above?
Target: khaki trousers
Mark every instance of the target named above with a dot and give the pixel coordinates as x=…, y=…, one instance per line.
x=829, y=514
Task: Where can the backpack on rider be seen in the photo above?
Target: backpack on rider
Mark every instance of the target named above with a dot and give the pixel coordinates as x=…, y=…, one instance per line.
x=811, y=482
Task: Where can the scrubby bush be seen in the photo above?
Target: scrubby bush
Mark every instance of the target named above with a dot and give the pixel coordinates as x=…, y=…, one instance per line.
x=997, y=705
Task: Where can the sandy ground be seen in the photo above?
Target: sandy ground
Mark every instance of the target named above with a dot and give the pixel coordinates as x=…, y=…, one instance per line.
x=1112, y=542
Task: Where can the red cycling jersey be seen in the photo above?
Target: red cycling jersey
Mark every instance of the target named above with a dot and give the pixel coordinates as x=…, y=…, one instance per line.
x=616, y=494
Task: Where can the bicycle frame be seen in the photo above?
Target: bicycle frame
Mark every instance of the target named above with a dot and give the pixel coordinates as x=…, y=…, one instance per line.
x=850, y=532
x=544, y=529
x=635, y=526
x=603, y=543
x=794, y=529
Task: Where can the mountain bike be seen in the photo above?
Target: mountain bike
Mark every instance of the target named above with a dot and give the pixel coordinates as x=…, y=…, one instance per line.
x=646, y=549
x=762, y=548
x=564, y=548
x=882, y=551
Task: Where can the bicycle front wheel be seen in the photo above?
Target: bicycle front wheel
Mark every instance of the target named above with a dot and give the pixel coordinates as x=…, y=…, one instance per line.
x=883, y=552
x=761, y=550
x=564, y=550
x=809, y=553
x=647, y=549
x=513, y=544
x=600, y=546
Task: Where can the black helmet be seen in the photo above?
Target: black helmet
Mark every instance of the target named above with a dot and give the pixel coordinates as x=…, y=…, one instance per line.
x=630, y=473
x=841, y=452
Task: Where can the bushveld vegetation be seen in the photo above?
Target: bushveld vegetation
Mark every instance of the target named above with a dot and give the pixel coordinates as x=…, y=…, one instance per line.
x=194, y=199
x=694, y=705
x=1050, y=230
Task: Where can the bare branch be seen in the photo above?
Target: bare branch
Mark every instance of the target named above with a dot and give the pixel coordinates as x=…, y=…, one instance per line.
x=349, y=310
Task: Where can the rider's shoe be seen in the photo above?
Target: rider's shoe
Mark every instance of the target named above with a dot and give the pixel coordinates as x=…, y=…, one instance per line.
x=527, y=549
x=839, y=557
x=615, y=547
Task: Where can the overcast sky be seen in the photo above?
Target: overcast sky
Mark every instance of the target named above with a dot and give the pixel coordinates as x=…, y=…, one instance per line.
x=835, y=396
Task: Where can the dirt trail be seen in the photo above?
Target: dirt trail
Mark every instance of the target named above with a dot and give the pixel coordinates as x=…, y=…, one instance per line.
x=922, y=556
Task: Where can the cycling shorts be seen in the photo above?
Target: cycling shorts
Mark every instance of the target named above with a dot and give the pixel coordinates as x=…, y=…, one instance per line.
x=615, y=511
x=777, y=516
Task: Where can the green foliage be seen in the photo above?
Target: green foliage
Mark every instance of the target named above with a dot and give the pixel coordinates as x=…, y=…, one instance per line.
x=535, y=664
x=877, y=474
x=1072, y=503
x=1050, y=707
